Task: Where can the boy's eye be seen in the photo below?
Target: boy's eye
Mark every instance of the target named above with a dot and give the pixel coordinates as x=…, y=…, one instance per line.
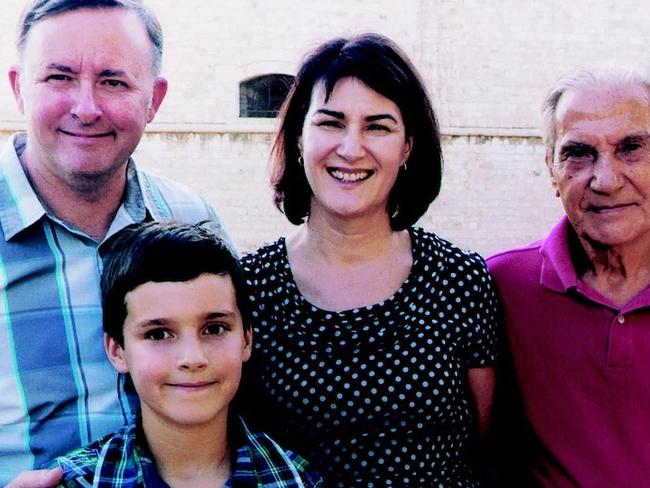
x=157, y=334
x=215, y=329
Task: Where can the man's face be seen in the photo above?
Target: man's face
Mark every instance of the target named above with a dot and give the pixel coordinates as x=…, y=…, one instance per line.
x=601, y=163
x=87, y=89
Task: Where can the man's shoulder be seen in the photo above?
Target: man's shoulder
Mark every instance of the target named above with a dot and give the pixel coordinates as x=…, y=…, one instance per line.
x=84, y=461
x=168, y=199
x=515, y=256
x=516, y=268
x=172, y=193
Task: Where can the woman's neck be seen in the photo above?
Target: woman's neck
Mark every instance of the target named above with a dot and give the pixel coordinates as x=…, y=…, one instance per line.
x=339, y=268
x=345, y=240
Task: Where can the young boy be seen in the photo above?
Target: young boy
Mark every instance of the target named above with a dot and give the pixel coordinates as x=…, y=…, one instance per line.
x=176, y=321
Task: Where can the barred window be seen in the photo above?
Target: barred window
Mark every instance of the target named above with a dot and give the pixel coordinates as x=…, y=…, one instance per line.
x=262, y=96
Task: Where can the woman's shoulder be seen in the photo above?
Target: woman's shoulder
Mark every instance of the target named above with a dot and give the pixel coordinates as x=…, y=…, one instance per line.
x=430, y=246
x=264, y=255
x=268, y=264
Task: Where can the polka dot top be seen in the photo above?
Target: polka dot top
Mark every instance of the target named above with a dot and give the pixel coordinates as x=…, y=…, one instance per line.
x=374, y=396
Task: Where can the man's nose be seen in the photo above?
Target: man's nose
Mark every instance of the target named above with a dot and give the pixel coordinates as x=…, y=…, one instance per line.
x=607, y=176
x=86, y=107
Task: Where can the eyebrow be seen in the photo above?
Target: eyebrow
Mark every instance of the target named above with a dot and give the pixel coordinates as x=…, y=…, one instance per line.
x=60, y=67
x=331, y=113
x=112, y=73
x=369, y=118
x=157, y=322
x=576, y=145
x=570, y=146
x=104, y=73
x=635, y=138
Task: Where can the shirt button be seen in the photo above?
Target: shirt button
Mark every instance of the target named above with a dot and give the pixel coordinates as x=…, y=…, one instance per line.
x=620, y=319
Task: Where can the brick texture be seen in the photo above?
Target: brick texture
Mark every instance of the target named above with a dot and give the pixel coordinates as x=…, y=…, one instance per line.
x=487, y=66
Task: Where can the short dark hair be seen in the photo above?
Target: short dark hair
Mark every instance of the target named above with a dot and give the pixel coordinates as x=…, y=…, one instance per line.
x=40, y=10
x=376, y=61
x=163, y=251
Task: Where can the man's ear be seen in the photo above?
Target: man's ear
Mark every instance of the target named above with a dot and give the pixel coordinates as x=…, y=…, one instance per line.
x=157, y=96
x=14, y=81
x=115, y=354
x=248, y=346
x=548, y=160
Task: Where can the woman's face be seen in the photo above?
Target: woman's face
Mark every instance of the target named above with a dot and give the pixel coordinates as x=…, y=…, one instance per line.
x=353, y=146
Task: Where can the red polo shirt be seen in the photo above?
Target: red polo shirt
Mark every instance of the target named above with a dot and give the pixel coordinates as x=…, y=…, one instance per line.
x=582, y=366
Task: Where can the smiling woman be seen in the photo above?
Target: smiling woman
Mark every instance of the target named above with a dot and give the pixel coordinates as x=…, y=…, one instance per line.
x=374, y=338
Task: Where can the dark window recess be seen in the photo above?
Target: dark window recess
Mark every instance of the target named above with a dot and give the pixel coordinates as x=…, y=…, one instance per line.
x=262, y=96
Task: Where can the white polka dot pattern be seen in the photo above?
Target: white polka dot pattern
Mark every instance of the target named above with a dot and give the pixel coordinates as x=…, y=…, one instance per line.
x=376, y=396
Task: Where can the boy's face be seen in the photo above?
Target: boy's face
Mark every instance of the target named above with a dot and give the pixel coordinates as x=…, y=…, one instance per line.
x=184, y=347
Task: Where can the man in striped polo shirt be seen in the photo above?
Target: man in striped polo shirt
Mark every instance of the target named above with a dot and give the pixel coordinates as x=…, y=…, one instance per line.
x=88, y=82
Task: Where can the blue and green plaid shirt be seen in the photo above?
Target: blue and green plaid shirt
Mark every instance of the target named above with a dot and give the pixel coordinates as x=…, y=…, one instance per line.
x=57, y=389
x=122, y=460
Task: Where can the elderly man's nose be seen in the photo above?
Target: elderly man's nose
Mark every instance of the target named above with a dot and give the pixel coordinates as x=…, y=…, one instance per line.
x=607, y=174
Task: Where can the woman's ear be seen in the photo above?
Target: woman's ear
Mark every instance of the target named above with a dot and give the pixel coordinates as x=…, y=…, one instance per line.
x=115, y=354
x=407, y=150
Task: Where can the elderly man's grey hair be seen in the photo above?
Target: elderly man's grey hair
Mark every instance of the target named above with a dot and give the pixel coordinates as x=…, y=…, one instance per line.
x=583, y=78
x=40, y=10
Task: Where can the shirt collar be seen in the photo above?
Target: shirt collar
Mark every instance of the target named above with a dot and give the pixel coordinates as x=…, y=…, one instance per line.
x=20, y=206
x=558, y=272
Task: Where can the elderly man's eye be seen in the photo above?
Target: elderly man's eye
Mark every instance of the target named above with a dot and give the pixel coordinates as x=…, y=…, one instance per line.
x=578, y=152
x=633, y=149
x=630, y=147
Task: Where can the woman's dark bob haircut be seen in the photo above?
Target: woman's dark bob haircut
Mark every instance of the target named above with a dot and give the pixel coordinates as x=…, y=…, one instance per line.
x=382, y=66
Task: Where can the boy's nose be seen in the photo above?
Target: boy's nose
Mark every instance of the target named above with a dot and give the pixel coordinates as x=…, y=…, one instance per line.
x=191, y=355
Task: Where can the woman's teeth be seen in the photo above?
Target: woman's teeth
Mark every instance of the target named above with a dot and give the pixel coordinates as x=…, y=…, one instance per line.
x=348, y=177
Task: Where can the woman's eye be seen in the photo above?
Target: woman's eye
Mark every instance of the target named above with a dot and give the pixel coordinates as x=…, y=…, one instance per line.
x=329, y=124
x=157, y=335
x=378, y=127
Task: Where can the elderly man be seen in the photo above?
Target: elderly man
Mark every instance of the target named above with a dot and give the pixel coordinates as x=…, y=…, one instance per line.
x=87, y=83
x=577, y=304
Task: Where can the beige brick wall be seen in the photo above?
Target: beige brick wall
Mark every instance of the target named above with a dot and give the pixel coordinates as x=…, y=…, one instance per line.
x=486, y=64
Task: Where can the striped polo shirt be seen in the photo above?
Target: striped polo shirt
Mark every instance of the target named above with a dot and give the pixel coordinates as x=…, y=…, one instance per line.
x=57, y=389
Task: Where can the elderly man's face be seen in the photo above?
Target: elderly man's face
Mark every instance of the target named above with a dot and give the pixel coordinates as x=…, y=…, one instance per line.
x=601, y=163
x=87, y=89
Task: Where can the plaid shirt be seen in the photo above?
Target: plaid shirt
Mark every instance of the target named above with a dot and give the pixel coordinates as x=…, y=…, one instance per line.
x=58, y=389
x=121, y=460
